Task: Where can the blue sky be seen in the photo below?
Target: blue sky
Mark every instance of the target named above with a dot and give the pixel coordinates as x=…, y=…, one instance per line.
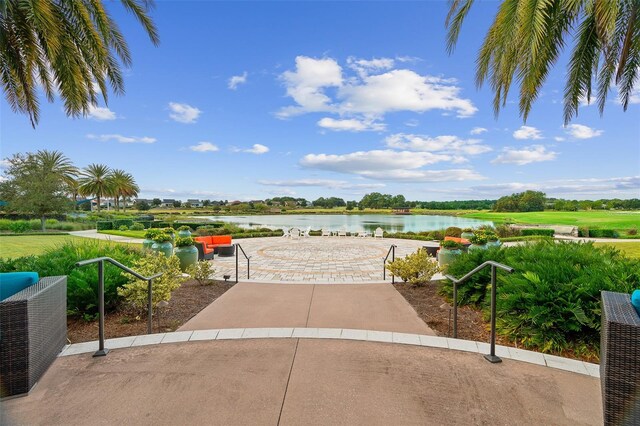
x=251, y=100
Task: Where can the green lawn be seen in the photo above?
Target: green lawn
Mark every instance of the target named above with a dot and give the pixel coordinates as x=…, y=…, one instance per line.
x=129, y=234
x=631, y=249
x=36, y=244
x=619, y=220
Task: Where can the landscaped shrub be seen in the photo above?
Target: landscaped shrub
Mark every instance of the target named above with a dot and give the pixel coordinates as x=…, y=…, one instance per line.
x=583, y=232
x=145, y=223
x=135, y=291
x=453, y=231
x=19, y=226
x=538, y=231
x=603, y=233
x=123, y=228
x=82, y=283
x=201, y=272
x=120, y=222
x=632, y=231
x=159, y=224
x=137, y=226
x=104, y=225
x=437, y=235
x=194, y=225
x=416, y=268
x=506, y=231
x=552, y=300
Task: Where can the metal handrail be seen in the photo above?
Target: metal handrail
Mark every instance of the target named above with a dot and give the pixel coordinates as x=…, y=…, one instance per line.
x=102, y=351
x=491, y=357
x=238, y=246
x=392, y=252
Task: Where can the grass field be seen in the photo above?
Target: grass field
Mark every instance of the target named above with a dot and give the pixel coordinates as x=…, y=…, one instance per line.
x=631, y=249
x=37, y=244
x=129, y=234
x=619, y=220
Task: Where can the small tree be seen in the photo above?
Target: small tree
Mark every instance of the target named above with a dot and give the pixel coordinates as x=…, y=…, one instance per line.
x=38, y=184
x=156, y=202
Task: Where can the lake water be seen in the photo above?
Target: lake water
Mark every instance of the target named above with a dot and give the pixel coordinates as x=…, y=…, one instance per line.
x=355, y=223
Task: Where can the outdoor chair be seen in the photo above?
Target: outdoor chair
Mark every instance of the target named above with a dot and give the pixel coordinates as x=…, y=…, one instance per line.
x=379, y=233
x=286, y=233
x=342, y=233
x=33, y=331
x=620, y=360
x=326, y=232
x=294, y=233
x=305, y=233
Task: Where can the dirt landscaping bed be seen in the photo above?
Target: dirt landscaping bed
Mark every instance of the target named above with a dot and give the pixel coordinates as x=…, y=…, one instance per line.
x=434, y=309
x=185, y=302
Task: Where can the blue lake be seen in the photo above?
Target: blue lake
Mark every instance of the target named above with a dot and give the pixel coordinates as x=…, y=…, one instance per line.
x=356, y=223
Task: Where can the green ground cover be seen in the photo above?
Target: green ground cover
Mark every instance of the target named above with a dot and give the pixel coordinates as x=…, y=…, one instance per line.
x=128, y=234
x=619, y=220
x=631, y=249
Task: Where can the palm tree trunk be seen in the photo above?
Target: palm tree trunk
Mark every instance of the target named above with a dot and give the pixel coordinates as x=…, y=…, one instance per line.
x=124, y=204
x=98, y=203
x=42, y=223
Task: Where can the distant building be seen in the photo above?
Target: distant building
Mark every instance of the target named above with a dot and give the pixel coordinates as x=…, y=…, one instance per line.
x=402, y=210
x=167, y=202
x=195, y=203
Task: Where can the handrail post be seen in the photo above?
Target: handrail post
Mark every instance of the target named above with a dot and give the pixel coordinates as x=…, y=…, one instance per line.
x=236, y=263
x=455, y=310
x=102, y=351
x=393, y=258
x=248, y=265
x=150, y=306
x=491, y=357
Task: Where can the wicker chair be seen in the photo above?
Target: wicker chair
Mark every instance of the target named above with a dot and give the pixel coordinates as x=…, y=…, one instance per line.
x=620, y=360
x=33, y=331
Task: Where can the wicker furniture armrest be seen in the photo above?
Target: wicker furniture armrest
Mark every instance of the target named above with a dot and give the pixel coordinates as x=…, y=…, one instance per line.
x=620, y=360
x=33, y=331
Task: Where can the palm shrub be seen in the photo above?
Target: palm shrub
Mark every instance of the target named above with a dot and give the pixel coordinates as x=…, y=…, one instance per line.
x=416, y=268
x=453, y=231
x=134, y=292
x=552, y=301
x=82, y=283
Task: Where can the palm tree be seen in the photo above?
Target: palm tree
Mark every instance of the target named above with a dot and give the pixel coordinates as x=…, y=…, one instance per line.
x=73, y=188
x=527, y=37
x=95, y=181
x=57, y=164
x=64, y=46
x=123, y=185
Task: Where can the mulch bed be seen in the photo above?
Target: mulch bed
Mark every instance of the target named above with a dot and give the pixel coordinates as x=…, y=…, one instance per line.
x=185, y=303
x=434, y=309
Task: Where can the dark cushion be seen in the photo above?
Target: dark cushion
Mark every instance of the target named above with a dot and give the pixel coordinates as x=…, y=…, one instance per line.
x=14, y=282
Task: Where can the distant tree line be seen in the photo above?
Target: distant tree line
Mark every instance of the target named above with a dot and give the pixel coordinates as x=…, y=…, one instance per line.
x=527, y=201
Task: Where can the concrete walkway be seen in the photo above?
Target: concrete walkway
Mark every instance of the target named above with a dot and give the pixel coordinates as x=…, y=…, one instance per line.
x=302, y=382
x=92, y=233
x=367, y=306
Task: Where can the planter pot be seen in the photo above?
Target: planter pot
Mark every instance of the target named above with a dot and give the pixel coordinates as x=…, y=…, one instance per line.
x=474, y=247
x=494, y=244
x=466, y=235
x=446, y=256
x=146, y=244
x=164, y=248
x=187, y=255
x=184, y=234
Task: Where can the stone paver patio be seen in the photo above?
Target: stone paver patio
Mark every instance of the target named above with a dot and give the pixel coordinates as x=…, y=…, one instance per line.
x=315, y=259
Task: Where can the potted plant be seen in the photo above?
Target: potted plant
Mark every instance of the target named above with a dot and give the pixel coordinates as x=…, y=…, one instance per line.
x=162, y=244
x=449, y=250
x=467, y=233
x=170, y=232
x=186, y=252
x=478, y=241
x=148, y=238
x=184, y=232
x=492, y=240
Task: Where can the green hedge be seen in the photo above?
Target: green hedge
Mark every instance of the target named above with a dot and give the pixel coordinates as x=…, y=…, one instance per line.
x=552, y=301
x=195, y=225
x=603, y=233
x=160, y=224
x=539, y=231
x=104, y=225
x=120, y=222
x=145, y=223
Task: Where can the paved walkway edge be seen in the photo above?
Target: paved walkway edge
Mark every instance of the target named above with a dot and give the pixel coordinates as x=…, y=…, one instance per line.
x=505, y=352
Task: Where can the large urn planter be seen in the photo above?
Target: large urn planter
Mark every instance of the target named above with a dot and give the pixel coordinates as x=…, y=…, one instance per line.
x=495, y=243
x=466, y=235
x=184, y=232
x=146, y=244
x=447, y=256
x=187, y=255
x=165, y=248
x=474, y=247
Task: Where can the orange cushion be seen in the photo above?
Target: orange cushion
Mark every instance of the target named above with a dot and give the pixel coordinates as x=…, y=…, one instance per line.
x=457, y=240
x=221, y=239
x=204, y=240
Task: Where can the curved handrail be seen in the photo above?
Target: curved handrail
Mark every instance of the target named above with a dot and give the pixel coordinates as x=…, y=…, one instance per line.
x=238, y=246
x=100, y=261
x=491, y=357
x=392, y=252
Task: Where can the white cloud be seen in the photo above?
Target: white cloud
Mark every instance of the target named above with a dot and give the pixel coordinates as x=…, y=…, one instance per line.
x=426, y=175
x=325, y=183
x=351, y=125
x=478, y=130
x=635, y=96
x=237, y=80
x=580, y=131
x=412, y=123
x=572, y=188
x=204, y=147
x=184, y=113
x=121, y=138
x=559, y=138
x=526, y=155
x=4, y=163
x=444, y=144
x=257, y=149
x=368, y=94
x=100, y=113
x=527, y=132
